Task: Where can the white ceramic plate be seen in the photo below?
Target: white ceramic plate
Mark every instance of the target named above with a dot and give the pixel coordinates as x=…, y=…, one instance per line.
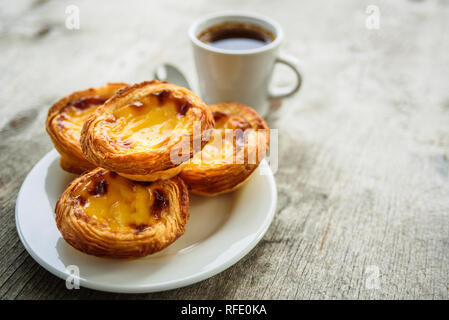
x=220, y=231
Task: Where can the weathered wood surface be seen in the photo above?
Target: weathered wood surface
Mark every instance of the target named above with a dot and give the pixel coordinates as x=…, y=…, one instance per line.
x=363, y=177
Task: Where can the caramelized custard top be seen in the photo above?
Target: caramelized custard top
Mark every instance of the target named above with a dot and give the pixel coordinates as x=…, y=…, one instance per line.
x=119, y=204
x=228, y=138
x=150, y=122
x=72, y=117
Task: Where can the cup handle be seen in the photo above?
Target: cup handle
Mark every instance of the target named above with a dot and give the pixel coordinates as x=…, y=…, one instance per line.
x=282, y=92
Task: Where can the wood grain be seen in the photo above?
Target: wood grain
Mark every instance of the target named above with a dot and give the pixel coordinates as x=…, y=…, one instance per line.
x=363, y=178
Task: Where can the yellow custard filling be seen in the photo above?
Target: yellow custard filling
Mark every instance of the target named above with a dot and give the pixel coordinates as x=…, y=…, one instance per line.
x=119, y=204
x=226, y=141
x=72, y=117
x=149, y=123
x=218, y=150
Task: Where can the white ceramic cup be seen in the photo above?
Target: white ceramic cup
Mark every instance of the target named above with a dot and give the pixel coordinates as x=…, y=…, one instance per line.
x=240, y=75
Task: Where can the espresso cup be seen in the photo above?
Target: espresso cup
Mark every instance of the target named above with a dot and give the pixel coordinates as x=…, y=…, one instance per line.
x=241, y=75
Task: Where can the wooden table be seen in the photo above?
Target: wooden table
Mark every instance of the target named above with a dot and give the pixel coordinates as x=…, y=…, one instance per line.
x=363, y=177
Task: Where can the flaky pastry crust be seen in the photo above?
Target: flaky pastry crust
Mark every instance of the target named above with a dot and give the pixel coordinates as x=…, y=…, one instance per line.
x=208, y=176
x=103, y=214
x=136, y=132
x=65, y=119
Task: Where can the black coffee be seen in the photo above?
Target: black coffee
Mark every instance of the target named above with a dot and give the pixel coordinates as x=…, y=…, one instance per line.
x=236, y=36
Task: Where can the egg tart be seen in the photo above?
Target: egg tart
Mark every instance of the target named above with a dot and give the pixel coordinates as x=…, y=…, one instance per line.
x=103, y=214
x=66, y=118
x=147, y=131
x=239, y=142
